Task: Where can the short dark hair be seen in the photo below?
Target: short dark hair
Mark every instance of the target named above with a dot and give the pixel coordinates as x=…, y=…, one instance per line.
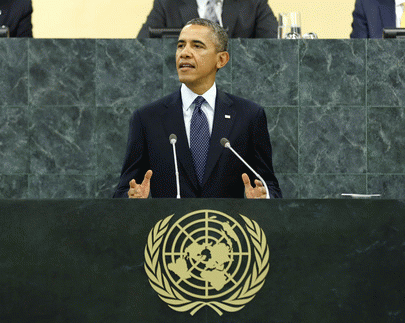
x=219, y=32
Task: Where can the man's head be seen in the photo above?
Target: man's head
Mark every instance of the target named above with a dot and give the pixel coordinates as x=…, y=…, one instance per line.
x=201, y=51
x=221, y=37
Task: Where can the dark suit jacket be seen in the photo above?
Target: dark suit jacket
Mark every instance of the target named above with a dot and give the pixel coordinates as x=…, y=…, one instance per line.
x=242, y=18
x=371, y=16
x=149, y=148
x=16, y=15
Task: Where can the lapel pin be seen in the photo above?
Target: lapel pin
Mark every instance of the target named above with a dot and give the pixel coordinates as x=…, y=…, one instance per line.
x=227, y=116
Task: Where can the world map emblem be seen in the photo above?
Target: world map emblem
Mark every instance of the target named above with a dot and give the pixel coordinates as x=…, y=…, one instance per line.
x=207, y=258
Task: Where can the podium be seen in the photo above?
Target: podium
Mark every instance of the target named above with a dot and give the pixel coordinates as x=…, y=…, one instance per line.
x=84, y=260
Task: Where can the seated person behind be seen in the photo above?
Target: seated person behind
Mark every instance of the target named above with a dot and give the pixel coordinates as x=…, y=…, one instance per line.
x=16, y=15
x=371, y=16
x=241, y=18
x=200, y=115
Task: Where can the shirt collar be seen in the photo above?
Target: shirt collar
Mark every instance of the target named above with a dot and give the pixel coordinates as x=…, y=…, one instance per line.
x=188, y=96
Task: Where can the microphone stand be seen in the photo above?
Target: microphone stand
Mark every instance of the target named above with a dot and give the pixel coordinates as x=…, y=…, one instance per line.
x=173, y=140
x=226, y=144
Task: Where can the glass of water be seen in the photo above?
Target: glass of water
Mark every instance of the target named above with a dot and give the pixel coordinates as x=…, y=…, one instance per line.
x=289, y=25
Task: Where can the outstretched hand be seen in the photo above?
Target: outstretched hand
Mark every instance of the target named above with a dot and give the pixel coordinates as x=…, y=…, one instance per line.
x=257, y=192
x=140, y=191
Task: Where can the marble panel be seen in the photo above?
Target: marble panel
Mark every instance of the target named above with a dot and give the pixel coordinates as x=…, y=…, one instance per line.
x=289, y=184
x=129, y=72
x=13, y=72
x=106, y=184
x=389, y=186
x=14, y=147
x=61, y=186
x=385, y=72
x=112, y=126
x=13, y=186
x=170, y=78
x=331, y=186
x=332, y=140
x=62, y=141
x=61, y=71
x=266, y=71
x=282, y=124
x=386, y=140
x=332, y=72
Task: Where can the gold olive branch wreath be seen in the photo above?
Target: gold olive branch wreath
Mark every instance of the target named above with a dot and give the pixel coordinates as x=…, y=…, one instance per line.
x=177, y=302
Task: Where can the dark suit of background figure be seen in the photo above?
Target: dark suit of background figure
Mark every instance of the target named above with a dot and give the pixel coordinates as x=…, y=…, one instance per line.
x=371, y=16
x=149, y=148
x=241, y=18
x=16, y=15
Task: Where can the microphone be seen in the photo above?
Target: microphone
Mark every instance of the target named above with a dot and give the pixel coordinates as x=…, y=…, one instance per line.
x=225, y=142
x=173, y=140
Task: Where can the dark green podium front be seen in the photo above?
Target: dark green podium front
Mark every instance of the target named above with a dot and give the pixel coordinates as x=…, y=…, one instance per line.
x=83, y=260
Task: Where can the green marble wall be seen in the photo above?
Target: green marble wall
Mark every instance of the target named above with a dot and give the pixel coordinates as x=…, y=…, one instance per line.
x=336, y=110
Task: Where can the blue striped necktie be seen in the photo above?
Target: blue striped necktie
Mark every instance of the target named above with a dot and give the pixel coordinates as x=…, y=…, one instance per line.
x=199, y=138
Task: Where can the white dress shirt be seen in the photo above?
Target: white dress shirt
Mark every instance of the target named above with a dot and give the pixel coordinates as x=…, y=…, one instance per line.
x=188, y=97
x=399, y=10
x=202, y=5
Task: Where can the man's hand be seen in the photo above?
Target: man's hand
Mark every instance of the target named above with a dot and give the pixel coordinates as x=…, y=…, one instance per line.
x=257, y=192
x=140, y=191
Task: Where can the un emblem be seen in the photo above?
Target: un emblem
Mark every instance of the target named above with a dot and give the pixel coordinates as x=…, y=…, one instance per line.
x=205, y=259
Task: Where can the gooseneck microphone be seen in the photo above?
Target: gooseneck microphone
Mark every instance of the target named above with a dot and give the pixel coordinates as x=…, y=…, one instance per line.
x=173, y=140
x=225, y=142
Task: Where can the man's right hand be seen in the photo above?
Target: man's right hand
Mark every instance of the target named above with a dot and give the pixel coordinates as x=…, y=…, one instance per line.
x=140, y=191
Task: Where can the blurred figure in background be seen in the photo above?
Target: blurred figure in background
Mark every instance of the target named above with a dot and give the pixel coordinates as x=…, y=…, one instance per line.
x=16, y=15
x=241, y=18
x=371, y=16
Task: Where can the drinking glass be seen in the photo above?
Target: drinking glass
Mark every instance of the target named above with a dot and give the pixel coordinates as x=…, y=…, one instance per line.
x=289, y=25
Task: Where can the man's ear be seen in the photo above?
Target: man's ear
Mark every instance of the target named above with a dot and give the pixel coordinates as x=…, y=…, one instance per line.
x=223, y=59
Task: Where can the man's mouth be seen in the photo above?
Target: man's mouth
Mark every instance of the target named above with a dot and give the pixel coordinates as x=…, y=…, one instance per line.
x=185, y=66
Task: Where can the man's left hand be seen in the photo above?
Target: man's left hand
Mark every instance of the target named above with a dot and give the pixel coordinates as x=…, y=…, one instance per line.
x=257, y=192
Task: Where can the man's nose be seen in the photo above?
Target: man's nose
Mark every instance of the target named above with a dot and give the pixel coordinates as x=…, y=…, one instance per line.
x=185, y=52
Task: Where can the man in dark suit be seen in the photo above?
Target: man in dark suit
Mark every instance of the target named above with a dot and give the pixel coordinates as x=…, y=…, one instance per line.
x=16, y=15
x=371, y=16
x=241, y=18
x=201, y=52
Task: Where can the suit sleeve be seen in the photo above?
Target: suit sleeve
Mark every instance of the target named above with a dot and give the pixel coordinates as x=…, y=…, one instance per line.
x=21, y=25
x=156, y=19
x=136, y=160
x=262, y=151
x=266, y=22
x=359, y=25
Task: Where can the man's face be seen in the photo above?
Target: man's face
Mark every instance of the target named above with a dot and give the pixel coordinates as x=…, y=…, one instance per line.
x=197, y=59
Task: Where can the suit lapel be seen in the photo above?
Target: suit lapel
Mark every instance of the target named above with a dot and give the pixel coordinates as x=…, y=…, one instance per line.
x=224, y=118
x=230, y=9
x=188, y=10
x=173, y=120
